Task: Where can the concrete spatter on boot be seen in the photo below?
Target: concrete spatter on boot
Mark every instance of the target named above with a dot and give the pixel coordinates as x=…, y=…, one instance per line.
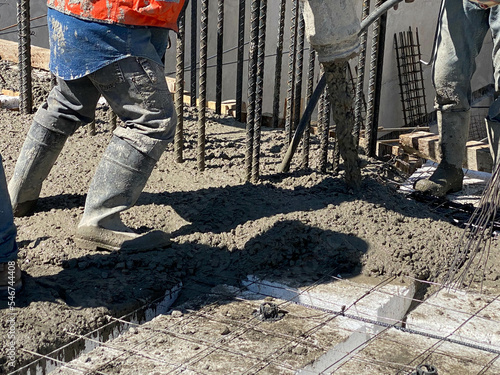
x=445, y=179
x=343, y=115
x=40, y=151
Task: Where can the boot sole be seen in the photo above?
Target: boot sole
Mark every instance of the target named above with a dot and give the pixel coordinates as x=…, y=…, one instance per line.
x=94, y=245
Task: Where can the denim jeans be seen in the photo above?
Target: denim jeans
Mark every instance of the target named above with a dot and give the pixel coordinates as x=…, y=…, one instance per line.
x=136, y=90
x=8, y=245
x=463, y=27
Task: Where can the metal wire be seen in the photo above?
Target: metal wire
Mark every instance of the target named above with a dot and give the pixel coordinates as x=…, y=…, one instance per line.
x=203, y=85
x=472, y=251
x=179, y=92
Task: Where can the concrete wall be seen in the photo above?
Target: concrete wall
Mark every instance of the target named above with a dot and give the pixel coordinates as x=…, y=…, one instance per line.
x=421, y=14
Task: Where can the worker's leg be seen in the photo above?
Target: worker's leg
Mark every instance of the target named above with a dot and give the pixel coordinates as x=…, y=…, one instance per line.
x=137, y=91
x=463, y=26
x=69, y=105
x=493, y=119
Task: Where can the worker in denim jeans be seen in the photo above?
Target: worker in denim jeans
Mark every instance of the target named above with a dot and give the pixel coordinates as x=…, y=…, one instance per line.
x=114, y=49
x=10, y=275
x=463, y=25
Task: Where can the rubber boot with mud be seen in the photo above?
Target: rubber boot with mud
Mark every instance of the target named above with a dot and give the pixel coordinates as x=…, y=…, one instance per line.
x=118, y=181
x=448, y=176
x=39, y=153
x=493, y=131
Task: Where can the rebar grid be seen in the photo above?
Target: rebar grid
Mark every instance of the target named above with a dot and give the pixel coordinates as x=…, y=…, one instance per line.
x=411, y=81
x=323, y=318
x=179, y=92
x=203, y=85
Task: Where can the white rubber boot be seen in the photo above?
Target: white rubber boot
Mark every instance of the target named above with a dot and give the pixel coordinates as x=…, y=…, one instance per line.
x=118, y=181
x=448, y=176
x=39, y=153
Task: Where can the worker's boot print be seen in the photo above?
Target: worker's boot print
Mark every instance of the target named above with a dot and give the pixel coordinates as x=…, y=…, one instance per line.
x=448, y=176
x=39, y=153
x=118, y=181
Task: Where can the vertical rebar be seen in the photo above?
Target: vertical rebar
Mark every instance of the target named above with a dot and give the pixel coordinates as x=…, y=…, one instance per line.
x=291, y=71
x=359, y=96
x=261, y=54
x=113, y=119
x=194, y=31
x=252, y=82
x=24, y=51
x=375, y=81
x=279, y=63
x=220, y=53
x=324, y=130
x=203, y=84
x=239, y=66
x=301, y=27
x=310, y=88
x=179, y=92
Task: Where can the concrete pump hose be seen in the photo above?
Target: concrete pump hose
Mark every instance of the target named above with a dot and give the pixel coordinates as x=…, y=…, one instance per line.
x=285, y=165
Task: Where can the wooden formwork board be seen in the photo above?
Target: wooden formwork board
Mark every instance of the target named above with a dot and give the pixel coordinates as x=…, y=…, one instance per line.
x=39, y=56
x=426, y=145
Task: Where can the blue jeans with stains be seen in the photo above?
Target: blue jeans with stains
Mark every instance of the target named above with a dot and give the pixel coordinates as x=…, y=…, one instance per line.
x=136, y=90
x=8, y=245
x=463, y=27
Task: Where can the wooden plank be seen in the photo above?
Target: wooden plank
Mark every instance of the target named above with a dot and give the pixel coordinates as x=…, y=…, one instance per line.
x=410, y=140
x=478, y=157
x=39, y=56
x=426, y=146
x=430, y=146
x=388, y=148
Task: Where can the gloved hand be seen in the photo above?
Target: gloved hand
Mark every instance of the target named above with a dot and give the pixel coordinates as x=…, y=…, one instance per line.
x=486, y=3
x=406, y=1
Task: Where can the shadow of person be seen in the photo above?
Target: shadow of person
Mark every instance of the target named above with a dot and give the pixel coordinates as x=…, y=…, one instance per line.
x=79, y=298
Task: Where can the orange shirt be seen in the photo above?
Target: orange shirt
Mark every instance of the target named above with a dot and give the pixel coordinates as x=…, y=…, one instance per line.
x=158, y=13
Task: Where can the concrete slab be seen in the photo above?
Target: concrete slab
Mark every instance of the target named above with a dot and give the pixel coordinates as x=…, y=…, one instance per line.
x=226, y=337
